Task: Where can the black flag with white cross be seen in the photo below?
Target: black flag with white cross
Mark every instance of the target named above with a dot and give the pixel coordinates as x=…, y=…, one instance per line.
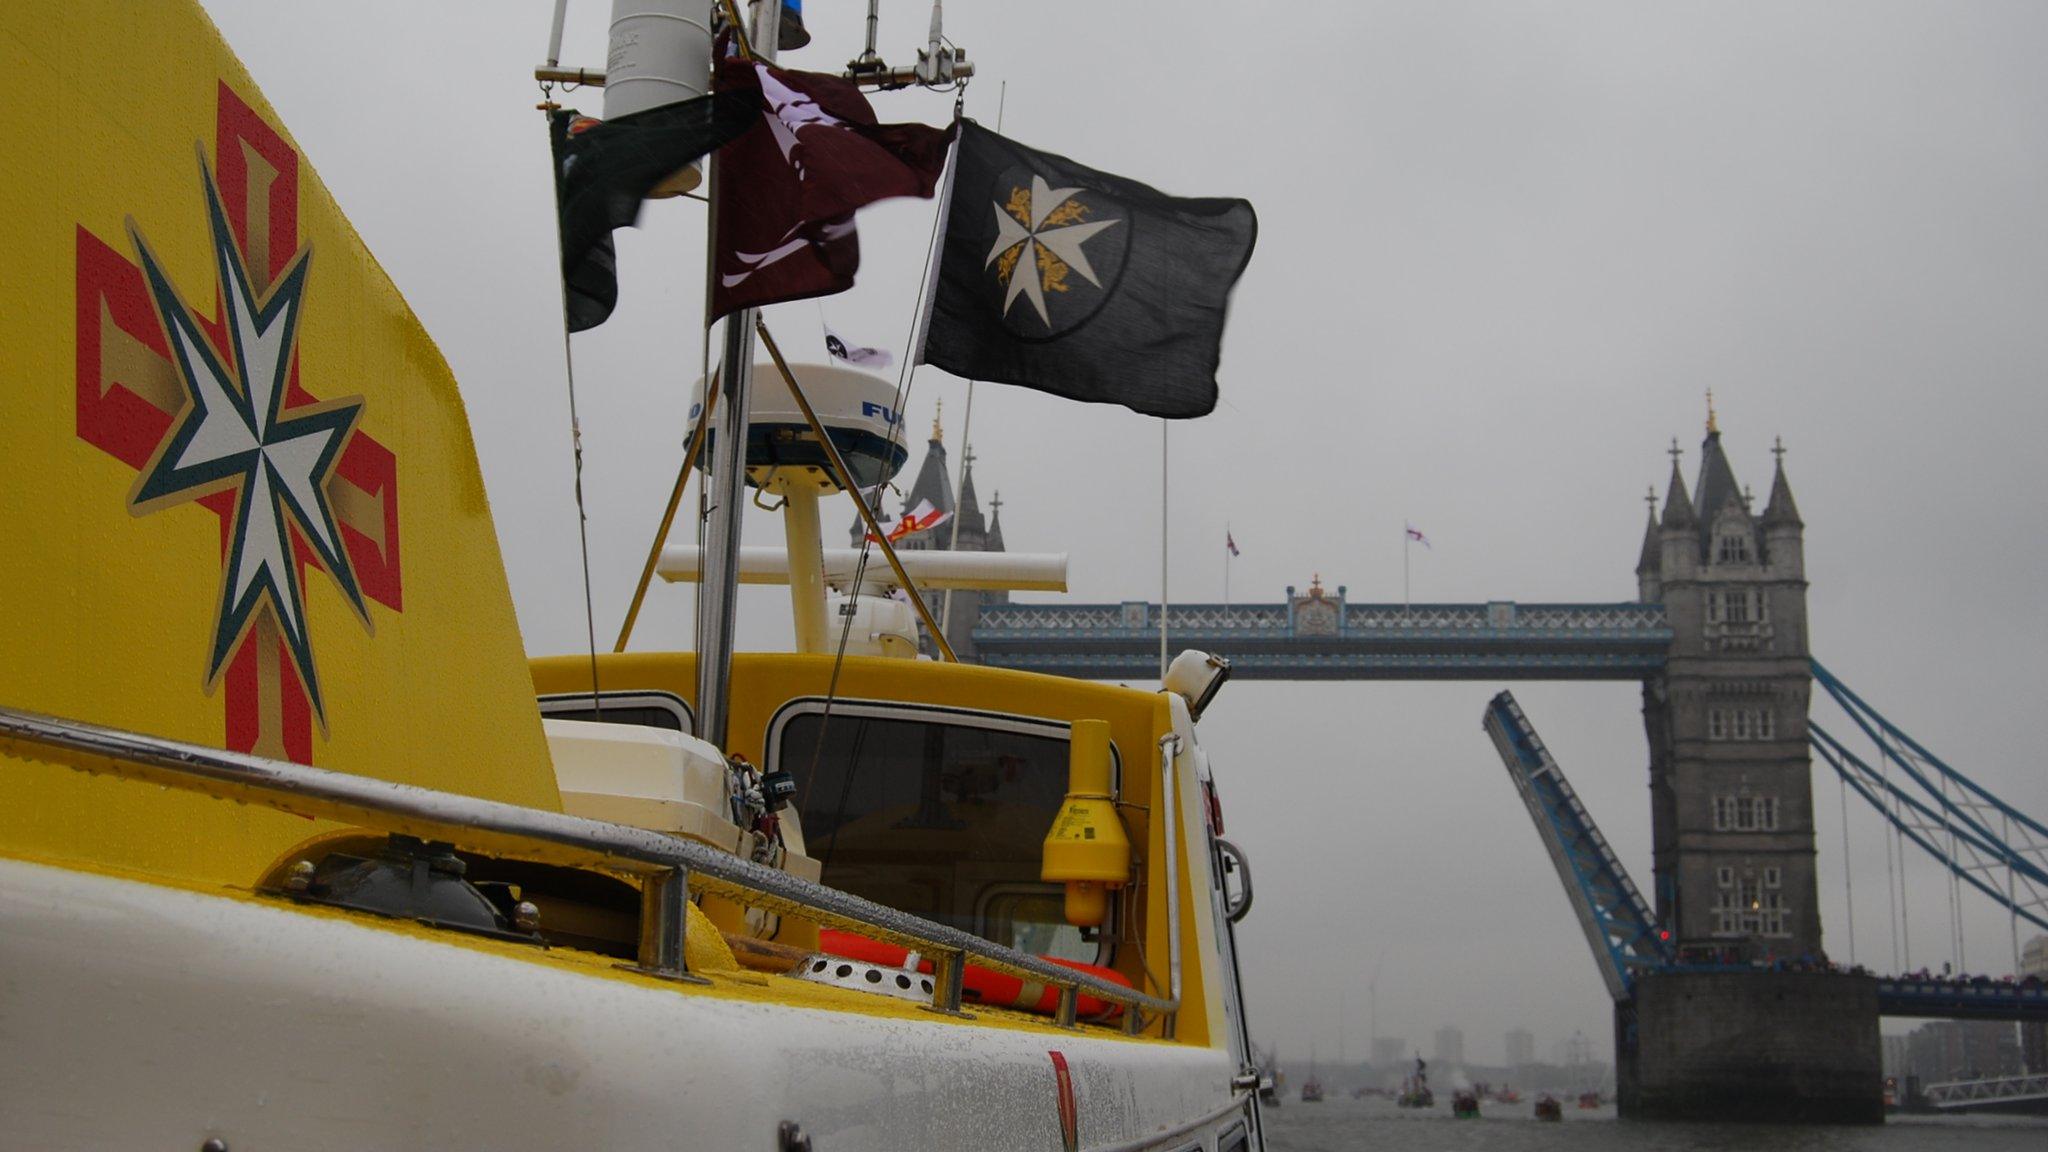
x=1080, y=283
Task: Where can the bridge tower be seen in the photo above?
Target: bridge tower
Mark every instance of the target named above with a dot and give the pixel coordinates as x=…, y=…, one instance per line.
x=1732, y=828
x=1730, y=778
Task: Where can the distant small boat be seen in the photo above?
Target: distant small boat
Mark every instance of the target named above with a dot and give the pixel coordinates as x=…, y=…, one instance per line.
x=1415, y=1091
x=1311, y=1090
x=1547, y=1108
x=1465, y=1105
x=1589, y=1099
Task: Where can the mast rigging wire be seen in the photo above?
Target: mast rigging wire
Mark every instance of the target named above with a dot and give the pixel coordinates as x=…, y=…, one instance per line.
x=575, y=435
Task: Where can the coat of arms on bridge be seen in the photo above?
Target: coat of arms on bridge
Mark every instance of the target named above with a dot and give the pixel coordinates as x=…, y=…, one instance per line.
x=213, y=412
x=1317, y=614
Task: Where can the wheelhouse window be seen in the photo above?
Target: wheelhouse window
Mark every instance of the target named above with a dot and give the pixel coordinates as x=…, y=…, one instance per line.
x=647, y=709
x=936, y=812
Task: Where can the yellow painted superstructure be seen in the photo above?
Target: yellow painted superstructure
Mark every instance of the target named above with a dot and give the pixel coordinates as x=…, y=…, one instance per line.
x=763, y=684
x=110, y=613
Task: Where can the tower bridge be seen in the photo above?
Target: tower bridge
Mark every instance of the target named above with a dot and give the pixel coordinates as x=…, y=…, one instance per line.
x=1717, y=637
x=1321, y=636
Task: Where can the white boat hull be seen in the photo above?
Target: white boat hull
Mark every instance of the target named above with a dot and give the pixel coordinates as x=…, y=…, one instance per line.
x=133, y=1015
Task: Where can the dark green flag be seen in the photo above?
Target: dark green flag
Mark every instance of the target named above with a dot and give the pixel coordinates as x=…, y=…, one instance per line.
x=604, y=169
x=1058, y=277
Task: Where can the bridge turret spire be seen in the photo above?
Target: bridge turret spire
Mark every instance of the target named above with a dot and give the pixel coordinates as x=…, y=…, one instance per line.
x=1780, y=509
x=1677, y=505
x=995, y=523
x=1784, y=532
x=1650, y=563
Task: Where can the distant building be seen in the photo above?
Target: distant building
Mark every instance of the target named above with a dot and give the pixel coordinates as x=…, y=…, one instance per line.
x=2034, y=1035
x=1897, y=1057
x=1389, y=1052
x=1521, y=1047
x=1450, y=1046
x=1963, y=1050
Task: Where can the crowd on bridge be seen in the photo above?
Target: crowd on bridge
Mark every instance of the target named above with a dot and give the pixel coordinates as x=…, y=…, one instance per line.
x=1736, y=956
x=1947, y=978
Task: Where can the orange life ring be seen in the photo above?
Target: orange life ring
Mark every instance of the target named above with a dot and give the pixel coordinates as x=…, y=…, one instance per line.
x=981, y=985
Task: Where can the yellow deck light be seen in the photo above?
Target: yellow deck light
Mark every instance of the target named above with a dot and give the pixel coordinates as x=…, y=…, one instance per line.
x=1087, y=849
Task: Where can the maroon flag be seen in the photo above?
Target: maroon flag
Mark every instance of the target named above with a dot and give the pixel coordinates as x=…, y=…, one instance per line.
x=791, y=183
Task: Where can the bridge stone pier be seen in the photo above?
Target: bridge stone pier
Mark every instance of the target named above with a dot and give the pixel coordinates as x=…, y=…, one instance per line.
x=1717, y=637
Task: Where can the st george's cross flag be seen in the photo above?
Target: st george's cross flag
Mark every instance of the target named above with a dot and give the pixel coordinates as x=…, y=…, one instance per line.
x=919, y=519
x=791, y=182
x=1073, y=281
x=1230, y=542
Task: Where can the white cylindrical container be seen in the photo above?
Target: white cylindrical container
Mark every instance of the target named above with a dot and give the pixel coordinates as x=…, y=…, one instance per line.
x=660, y=54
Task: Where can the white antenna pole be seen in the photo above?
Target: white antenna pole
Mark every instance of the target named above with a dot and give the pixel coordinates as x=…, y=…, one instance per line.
x=1228, y=540
x=555, y=33
x=1405, y=542
x=1162, y=549
x=966, y=423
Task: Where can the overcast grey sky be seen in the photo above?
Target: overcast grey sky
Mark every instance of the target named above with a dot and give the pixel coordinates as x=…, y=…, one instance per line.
x=1504, y=250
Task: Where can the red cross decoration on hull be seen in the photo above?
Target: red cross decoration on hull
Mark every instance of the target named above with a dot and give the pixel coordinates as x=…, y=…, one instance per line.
x=130, y=397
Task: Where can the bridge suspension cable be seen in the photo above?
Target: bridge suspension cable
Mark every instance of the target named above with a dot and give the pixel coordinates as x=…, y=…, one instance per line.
x=1978, y=838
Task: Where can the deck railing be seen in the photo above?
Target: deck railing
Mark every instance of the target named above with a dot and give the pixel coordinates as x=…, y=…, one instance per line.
x=670, y=868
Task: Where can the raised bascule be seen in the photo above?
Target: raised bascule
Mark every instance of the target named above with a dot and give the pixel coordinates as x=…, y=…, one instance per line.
x=1724, y=1003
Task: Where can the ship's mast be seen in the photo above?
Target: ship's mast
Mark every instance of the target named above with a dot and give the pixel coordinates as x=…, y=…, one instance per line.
x=726, y=487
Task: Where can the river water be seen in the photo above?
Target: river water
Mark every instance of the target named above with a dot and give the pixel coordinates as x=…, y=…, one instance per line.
x=1379, y=1126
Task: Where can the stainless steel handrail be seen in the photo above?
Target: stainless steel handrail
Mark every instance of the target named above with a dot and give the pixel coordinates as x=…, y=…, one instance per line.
x=1169, y=751
x=671, y=867
x=1238, y=1102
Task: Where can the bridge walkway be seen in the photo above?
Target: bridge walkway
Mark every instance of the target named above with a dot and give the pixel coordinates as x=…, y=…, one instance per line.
x=1320, y=637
